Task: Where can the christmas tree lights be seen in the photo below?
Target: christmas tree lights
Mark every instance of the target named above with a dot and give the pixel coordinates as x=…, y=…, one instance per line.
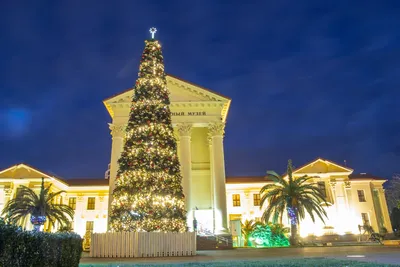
x=148, y=194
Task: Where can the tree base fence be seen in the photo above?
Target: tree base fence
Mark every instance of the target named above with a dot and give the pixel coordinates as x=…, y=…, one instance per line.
x=142, y=244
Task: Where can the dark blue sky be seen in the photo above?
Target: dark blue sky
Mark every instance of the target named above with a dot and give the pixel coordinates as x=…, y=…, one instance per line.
x=307, y=78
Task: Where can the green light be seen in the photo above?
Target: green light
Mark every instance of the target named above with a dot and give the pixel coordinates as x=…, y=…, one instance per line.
x=262, y=236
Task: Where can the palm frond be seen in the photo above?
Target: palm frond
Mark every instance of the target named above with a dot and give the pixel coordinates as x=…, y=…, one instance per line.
x=51, y=196
x=28, y=203
x=299, y=194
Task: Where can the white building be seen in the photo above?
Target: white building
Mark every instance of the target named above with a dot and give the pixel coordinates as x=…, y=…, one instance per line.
x=199, y=117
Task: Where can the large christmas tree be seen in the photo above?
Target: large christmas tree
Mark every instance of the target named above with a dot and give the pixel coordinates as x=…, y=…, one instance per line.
x=148, y=194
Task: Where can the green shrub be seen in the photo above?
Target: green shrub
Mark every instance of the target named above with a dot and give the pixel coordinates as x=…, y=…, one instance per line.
x=263, y=236
x=20, y=248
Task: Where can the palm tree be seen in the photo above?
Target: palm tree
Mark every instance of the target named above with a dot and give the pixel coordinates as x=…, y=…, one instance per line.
x=278, y=229
x=294, y=196
x=247, y=228
x=39, y=207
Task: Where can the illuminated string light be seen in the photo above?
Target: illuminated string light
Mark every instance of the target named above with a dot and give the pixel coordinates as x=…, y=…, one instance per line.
x=148, y=194
x=292, y=215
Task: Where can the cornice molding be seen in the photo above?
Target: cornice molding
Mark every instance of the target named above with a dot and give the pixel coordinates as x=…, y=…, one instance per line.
x=192, y=90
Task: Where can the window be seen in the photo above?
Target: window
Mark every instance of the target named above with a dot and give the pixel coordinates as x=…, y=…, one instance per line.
x=365, y=218
x=236, y=200
x=72, y=203
x=91, y=203
x=361, y=195
x=322, y=188
x=256, y=199
x=233, y=217
x=89, y=226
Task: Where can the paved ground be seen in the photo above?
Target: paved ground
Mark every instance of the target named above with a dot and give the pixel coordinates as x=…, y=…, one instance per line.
x=381, y=254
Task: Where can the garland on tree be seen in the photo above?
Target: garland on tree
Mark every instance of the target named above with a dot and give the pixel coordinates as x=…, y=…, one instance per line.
x=148, y=194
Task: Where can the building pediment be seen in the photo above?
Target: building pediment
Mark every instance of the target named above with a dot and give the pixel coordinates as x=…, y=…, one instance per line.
x=183, y=94
x=320, y=166
x=22, y=171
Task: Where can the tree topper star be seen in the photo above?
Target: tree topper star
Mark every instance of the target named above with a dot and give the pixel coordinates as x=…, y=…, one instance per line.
x=152, y=31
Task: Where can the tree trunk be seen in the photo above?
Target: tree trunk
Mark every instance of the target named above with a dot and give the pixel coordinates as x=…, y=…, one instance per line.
x=293, y=234
x=293, y=215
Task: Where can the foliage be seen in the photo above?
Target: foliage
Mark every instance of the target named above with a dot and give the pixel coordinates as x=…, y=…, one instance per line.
x=393, y=192
x=263, y=236
x=320, y=262
x=148, y=194
x=395, y=219
x=247, y=228
x=294, y=196
x=28, y=203
x=65, y=228
x=278, y=229
x=20, y=248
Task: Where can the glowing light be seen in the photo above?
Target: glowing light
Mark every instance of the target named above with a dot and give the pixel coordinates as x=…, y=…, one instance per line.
x=262, y=236
x=148, y=194
x=38, y=221
x=152, y=31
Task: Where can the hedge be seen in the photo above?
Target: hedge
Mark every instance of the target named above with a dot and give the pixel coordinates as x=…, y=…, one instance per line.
x=19, y=248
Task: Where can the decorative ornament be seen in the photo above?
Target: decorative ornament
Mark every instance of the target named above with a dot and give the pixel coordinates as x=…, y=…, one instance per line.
x=153, y=31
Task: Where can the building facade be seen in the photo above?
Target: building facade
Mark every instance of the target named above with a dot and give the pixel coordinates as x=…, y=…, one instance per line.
x=352, y=199
x=214, y=200
x=198, y=118
x=88, y=197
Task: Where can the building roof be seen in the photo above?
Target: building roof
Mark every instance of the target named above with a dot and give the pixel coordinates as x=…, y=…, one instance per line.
x=23, y=170
x=196, y=85
x=13, y=172
x=365, y=176
x=195, y=93
x=246, y=179
x=87, y=182
x=325, y=161
x=175, y=77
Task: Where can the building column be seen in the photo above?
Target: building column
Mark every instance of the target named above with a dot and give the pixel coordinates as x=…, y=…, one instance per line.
x=216, y=131
x=349, y=207
x=385, y=211
x=247, y=205
x=332, y=183
x=117, y=133
x=209, y=138
x=347, y=187
x=184, y=131
x=341, y=206
x=337, y=223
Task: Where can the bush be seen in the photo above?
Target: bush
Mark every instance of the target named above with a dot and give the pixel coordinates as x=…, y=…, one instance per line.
x=263, y=236
x=20, y=248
